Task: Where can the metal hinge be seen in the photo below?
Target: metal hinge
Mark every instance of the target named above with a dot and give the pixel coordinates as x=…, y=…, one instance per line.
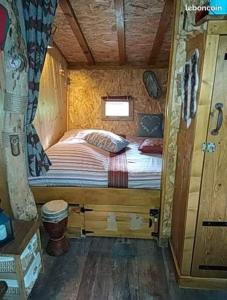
x=83, y=209
x=154, y=216
x=85, y=232
x=154, y=220
x=208, y=147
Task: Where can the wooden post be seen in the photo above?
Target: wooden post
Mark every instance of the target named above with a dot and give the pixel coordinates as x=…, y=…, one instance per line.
x=15, y=68
x=173, y=111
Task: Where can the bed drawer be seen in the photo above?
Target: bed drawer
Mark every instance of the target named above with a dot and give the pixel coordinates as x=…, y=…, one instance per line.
x=120, y=221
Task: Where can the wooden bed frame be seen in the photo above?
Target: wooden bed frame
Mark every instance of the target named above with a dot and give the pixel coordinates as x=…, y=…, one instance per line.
x=132, y=213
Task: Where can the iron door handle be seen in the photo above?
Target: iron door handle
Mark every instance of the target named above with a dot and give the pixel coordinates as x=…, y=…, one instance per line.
x=219, y=107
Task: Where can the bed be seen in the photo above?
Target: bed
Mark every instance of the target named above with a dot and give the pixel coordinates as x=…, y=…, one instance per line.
x=108, y=194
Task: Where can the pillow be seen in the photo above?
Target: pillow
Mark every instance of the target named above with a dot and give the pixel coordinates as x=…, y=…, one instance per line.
x=76, y=134
x=150, y=125
x=106, y=140
x=152, y=146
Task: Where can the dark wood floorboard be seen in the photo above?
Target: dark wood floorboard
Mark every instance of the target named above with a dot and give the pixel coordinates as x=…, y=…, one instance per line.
x=113, y=269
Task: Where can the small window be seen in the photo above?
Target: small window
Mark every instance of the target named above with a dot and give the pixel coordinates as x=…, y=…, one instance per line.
x=117, y=108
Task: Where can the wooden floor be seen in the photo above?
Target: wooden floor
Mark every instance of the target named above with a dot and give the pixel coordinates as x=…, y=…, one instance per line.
x=116, y=269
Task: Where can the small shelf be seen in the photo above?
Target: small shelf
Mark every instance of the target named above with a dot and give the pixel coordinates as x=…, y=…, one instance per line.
x=211, y=18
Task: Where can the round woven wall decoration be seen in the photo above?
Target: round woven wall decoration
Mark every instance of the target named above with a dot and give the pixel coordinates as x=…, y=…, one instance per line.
x=152, y=85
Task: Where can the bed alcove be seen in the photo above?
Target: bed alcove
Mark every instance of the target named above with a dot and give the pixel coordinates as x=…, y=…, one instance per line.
x=72, y=85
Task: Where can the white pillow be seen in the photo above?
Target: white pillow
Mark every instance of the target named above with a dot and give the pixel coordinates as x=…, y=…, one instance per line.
x=106, y=140
x=76, y=134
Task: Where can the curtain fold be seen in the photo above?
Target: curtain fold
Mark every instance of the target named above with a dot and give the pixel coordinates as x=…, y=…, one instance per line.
x=38, y=15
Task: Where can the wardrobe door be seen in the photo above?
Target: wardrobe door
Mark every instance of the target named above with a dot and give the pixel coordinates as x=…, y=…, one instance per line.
x=210, y=249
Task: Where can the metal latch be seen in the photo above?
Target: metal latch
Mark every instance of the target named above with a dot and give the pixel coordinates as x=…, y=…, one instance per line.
x=209, y=147
x=84, y=209
x=85, y=232
x=154, y=220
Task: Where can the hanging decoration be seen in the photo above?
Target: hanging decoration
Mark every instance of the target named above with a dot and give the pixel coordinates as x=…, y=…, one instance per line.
x=38, y=17
x=190, y=88
x=152, y=85
x=4, y=25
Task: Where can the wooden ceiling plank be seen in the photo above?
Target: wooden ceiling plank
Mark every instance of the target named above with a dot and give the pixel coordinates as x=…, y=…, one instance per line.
x=75, y=26
x=119, y=7
x=164, y=23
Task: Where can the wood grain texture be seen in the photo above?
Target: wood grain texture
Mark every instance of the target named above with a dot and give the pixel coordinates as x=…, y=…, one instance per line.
x=217, y=27
x=203, y=110
x=65, y=39
x=118, y=224
x=173, y=110
x=211, y=244
x=23, y=232
x=142, y=21
x=172, y=119
x=97, y=20
x=185, y=141
x=179, y=211
x=88, y=86
x=108, y=211
x=51, y=117
x=105, y=269
x=163, y=26
x=16, y=87
x=98, y=196
x=193, y=282
x=75, y=26
x=120, y=23
x=4, y=195
x=98, y=24
x=116, y=66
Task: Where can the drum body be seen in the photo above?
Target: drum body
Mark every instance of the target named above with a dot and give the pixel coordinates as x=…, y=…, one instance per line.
x=55, y=218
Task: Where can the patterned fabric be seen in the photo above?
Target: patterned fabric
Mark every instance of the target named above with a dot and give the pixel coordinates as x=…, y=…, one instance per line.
x=38, y=15
x=106, y=140
x=151, y=125
x=151, y=146
x=77, y=163
x=118, y=171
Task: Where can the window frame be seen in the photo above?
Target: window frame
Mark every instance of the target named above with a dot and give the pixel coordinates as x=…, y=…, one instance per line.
x=127, y=99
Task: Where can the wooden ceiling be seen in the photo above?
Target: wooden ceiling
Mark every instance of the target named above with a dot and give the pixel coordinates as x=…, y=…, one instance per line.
x=114, y=32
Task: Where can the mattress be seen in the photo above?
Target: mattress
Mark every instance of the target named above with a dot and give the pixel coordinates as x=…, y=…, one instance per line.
x=77, y=163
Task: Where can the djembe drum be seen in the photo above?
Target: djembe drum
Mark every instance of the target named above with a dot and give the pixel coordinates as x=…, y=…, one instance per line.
x=55, y=218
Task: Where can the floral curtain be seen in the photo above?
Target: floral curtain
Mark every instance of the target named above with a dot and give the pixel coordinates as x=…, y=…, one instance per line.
x=38, y=15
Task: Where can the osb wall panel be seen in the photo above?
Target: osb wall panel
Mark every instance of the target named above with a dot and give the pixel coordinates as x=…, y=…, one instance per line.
x=88, y=86
x=65, y=39
x=97, y=20
x=173, y=115
x=4, y=196
x=98, y=23
x=141, y=23
x=51, y=116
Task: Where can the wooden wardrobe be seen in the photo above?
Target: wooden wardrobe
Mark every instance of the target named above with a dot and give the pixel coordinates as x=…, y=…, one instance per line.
x=199, y=226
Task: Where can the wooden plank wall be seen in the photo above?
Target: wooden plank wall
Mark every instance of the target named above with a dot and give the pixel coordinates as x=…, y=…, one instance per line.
x=182, y=208
x=88, y=86
x=51, y=116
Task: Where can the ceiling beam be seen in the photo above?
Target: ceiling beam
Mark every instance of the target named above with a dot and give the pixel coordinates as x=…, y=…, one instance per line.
x=115, y=66
x=75, y=26
x=119, y=7
x=162, y=28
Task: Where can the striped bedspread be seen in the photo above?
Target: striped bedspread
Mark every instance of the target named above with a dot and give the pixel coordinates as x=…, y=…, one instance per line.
x=77, y=163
